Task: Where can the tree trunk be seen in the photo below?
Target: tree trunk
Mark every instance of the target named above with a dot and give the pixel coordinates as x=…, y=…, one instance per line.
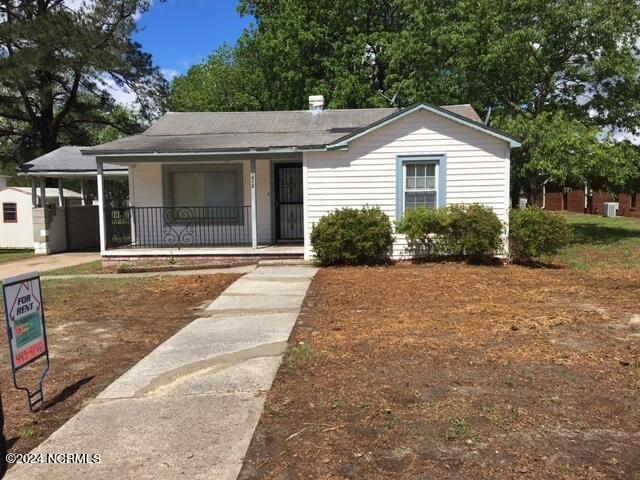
x=533, y=191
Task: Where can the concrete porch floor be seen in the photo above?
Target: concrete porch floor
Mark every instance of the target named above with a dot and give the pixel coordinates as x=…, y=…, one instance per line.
x=285, y=250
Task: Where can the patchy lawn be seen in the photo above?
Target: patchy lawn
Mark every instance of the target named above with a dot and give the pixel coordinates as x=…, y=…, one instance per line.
x=12, y=255
x=98, y=329
x=454, y=371
x=83, y=268
x=601, y=242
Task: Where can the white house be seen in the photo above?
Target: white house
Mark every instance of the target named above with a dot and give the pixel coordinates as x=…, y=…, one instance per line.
x=251, y=183
x=16, y=223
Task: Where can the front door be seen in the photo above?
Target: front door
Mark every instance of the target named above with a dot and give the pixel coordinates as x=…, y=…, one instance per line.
x=288, y=201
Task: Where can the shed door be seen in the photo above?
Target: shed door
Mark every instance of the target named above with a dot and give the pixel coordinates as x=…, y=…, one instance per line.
x=288, y=201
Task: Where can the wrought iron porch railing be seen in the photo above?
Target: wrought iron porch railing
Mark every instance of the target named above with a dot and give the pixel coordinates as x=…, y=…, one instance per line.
x=177, y=227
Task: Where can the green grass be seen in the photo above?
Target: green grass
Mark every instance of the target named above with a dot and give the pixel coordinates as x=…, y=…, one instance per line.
x=601, y=242
x=12, y=255
x=54, y=287
x=89, y=267
x=299, y=355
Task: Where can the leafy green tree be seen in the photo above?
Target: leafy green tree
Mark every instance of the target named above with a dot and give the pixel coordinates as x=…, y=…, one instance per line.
x=565, y=151
x=59, y=63
x=557, y=73
x=554, y=73
x=221, y=83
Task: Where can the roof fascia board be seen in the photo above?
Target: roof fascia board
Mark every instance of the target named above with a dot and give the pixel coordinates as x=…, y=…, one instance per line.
x=63, y=174
x=421, y=106
x=200, y=157
x=256, y=151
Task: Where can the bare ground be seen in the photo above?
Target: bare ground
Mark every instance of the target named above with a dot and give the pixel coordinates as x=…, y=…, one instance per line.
x=455, y=371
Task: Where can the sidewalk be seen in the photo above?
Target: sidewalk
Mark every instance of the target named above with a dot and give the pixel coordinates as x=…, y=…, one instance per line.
x=44, y=263
x=188, y=409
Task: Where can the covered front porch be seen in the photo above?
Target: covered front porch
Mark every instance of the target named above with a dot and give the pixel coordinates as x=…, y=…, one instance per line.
x=207, y=205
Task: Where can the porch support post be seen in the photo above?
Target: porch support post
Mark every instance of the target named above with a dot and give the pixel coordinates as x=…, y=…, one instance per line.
x=43, y=193
x=60, y=193
x=101, y=219
x=83, y=192
x=34, y=193
x=254, y=207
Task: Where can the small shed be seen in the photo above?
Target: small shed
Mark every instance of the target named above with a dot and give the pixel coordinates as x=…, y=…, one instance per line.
x=17, y=230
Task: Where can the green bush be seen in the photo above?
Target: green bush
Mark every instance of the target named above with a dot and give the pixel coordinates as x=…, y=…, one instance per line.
x=534, y=232
x=472, y=232
x=352, y=237
x=476, y=232
x=426, y=230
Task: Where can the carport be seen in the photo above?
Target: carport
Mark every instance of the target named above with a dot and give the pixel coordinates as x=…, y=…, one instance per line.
x=65, y=227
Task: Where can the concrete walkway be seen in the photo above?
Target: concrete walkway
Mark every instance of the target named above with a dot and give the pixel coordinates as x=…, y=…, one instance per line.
x=188, y=409
x=44, y=263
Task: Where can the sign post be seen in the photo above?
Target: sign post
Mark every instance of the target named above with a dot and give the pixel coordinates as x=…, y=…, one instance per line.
x=24, y=312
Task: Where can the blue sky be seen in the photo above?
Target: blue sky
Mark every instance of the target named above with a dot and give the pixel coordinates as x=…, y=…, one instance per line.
x=180, y=33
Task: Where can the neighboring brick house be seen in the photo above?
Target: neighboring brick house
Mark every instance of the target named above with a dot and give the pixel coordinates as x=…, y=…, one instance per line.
x=575, y=200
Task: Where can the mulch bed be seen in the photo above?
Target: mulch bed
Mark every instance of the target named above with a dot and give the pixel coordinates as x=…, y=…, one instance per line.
x=97, y=330
x=456, y=371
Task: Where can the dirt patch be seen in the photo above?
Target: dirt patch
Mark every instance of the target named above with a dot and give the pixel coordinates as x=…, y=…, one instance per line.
x=97, y=330
x=455, y=371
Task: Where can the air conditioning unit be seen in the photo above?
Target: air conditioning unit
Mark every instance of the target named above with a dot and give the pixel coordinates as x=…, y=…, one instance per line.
x=610, y=209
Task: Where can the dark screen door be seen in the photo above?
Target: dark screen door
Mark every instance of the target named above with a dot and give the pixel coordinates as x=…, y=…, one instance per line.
x=289, y=210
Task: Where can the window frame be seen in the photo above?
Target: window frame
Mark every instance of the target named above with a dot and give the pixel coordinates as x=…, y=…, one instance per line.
x=405, y=190
x=167, y=188
x=15, y=209
x=439, y=159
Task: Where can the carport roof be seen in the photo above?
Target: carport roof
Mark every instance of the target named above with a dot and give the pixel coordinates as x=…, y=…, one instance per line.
x=67, y=161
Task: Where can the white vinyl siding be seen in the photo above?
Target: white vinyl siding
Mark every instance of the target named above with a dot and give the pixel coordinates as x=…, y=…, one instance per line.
x=17, y=234
x=477, y=169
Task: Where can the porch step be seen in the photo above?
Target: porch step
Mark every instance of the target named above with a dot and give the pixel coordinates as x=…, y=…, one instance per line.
x=283, y=261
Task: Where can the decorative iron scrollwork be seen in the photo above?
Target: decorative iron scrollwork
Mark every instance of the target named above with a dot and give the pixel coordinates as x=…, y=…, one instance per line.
x=178, y=229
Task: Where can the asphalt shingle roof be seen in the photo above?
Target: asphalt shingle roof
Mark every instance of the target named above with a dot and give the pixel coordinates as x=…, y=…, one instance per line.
x=220, y=131
x=65, y=159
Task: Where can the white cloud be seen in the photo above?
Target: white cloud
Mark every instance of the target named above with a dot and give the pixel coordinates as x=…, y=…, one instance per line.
x=169, y=73
x=618, y=135
x=121, y=94
x=76, y=5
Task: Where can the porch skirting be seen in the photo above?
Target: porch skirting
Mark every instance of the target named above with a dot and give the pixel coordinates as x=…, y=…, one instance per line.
x=290, y=251
x=153, y=259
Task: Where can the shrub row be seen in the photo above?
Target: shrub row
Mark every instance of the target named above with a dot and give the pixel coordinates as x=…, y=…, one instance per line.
x=471, y=232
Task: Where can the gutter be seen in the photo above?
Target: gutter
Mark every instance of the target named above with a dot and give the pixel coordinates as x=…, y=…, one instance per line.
x=257, y=151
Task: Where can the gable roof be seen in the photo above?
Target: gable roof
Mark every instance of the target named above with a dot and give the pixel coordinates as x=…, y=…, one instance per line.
x=66, y=160
x=454, y=114
x=280, y=131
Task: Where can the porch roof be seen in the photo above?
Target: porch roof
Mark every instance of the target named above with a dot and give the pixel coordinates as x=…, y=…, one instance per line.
x=254, y=131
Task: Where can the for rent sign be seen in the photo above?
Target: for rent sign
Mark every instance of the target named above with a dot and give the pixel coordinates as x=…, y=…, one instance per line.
x=24, y=312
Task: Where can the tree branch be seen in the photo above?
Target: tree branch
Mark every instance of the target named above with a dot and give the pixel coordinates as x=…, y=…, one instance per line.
x=73, y=95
